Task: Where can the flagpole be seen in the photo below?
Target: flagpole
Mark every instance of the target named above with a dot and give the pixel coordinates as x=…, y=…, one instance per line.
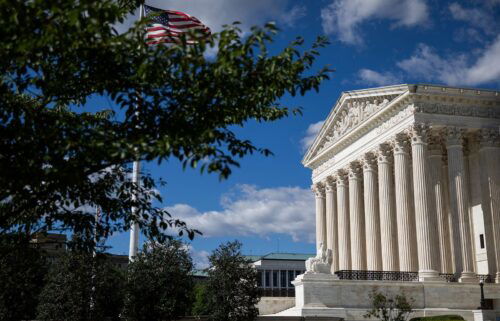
x=134, y=229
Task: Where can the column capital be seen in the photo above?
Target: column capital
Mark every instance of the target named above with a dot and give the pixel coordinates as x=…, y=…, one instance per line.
x=400, y=143
x=384, y=153
x=435, y=144
x=355, y=170
x=488, y=138
x=330, y=184
x=341, y=177
x=369, y=162
x=455, y=136
x=419, y=133
x=318, y=190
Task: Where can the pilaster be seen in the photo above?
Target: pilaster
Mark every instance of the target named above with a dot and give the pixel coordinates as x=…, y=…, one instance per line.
x=459, y=203
x=388, y=227
x=357, y=220
x=332, y=221
x=372, y=216
x=490, y=161
x=438, y=188
x=344, y=221
x=319, y=193
x=425, y=214
x=407, y=241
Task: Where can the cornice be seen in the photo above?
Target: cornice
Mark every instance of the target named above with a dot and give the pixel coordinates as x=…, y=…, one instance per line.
x=355, y=113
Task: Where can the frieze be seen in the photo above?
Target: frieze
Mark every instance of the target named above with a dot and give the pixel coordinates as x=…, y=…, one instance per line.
x=458, y=110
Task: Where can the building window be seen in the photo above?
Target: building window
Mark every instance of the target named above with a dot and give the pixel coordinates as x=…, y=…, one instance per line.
x=297, y=272
x=291, y=277
x=259, y=278
x=283, y=279
x=268, y=279
x=481, y=240
x=275, y=279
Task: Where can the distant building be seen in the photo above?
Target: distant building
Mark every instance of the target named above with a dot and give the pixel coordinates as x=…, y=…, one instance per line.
x=277, y=271
x=54, y=245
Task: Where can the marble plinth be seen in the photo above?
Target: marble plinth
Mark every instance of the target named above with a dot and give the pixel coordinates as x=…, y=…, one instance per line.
x=324, y=295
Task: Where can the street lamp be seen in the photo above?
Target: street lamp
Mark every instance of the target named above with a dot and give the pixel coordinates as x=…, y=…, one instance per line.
x=483, y=303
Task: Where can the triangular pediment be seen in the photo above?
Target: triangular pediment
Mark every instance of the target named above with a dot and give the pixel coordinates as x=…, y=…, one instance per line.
x=352, y=109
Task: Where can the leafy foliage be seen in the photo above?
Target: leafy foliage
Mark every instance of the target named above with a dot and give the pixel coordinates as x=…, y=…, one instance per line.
x=80, y=287
x=159, y=283
x=232, y=285
x=22, y=270
x=63, y=152
x=385, y=308
x=200, y=300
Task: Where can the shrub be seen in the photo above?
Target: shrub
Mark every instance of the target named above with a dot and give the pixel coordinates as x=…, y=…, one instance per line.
x=160, y=283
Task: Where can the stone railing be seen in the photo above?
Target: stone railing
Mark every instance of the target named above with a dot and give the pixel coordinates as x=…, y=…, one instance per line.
x=399, y=276
x=377, y=275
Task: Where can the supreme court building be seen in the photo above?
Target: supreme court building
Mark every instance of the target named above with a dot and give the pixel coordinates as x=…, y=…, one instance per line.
x=407, y=187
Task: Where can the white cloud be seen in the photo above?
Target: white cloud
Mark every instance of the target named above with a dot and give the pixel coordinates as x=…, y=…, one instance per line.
x=371, y=77
x=427, y=65
x=477, y=17
x=343, y=17
x=311, y=133
x=200, y=258
x=215, y=13
x=249, y=210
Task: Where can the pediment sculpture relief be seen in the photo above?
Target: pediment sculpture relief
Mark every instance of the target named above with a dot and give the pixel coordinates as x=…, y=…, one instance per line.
x=349, y=117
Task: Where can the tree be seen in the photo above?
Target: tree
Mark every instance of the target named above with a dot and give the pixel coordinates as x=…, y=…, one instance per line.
x=80, y=287
x=232, y=285
x=79, y=102
x=159, y=283
x=200, y=300
x=385, y=308
x=22, y=271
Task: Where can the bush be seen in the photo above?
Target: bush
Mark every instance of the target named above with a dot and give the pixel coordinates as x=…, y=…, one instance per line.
x=396, y=308
x=232, y=285
x=74, y=292
x=160, y=283
x=200, y=300
x=22, y=272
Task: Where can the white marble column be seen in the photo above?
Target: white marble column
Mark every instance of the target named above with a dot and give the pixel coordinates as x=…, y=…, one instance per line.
x=459, y=204
x=489, y=154
x=407, y=241
x=319, y=193
x=388, y=223
x=438, y=188
x=357, y=220
x=425, y=211
x=331, y=222
x=344, y=224
x=372, y=217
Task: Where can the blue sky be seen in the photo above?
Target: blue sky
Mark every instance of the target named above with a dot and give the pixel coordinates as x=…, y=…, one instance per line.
x=267, y=203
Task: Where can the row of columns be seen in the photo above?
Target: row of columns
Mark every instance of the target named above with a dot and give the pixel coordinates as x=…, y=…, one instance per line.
x=392, y=209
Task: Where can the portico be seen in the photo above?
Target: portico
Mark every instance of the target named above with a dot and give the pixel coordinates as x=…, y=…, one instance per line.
x=406, y=180
x=383, y=199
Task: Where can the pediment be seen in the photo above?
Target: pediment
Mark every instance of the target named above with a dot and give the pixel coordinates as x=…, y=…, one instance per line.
x=351, y=110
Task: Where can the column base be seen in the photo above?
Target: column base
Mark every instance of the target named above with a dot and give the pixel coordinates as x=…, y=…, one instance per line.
x=468, y=277
x=429, y=276
x=497, y=278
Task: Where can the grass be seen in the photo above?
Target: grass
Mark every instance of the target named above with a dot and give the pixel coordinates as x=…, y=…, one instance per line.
x=440, y=318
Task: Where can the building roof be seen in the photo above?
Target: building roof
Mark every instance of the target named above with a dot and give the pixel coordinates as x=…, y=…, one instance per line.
x=200, y=273
x=280, y=256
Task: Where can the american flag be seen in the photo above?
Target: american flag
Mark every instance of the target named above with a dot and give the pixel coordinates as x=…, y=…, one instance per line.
x=167, y=26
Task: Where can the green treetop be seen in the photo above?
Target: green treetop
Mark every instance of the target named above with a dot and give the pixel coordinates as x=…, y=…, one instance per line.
x=61, y=157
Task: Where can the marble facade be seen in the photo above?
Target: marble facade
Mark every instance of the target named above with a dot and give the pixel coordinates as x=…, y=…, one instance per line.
x=407, y=179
